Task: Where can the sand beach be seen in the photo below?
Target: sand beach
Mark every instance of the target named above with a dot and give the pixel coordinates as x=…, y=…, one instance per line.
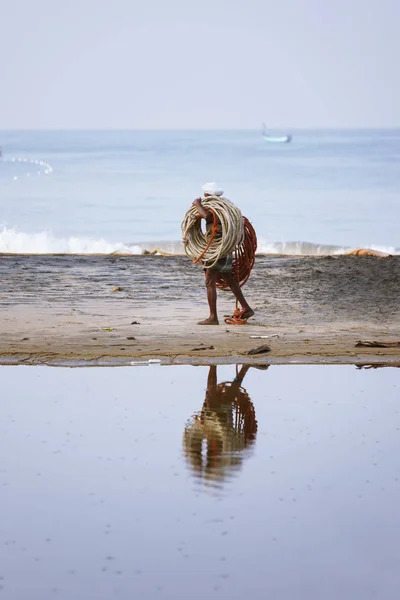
x=118, y=309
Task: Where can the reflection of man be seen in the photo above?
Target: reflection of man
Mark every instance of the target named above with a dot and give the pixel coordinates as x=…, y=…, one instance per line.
x=227, y=424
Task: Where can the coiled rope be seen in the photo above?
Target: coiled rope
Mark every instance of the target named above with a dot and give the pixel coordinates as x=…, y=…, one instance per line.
x=243, y=256
x=237, y=236
x=227, y=220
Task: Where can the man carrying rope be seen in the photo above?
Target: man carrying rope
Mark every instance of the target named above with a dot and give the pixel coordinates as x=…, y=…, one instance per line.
x=223, y=267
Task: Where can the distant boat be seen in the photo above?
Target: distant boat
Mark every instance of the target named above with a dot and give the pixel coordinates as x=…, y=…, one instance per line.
x=280, y=139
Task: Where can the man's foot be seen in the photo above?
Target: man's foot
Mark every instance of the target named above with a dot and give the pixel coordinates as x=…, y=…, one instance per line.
x=247, y=314
x=208, y=321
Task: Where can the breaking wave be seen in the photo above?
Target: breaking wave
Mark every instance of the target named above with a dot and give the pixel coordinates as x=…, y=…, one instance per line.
x=13, y=241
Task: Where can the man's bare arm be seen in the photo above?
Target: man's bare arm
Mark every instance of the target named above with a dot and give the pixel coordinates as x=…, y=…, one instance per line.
x=203, y=212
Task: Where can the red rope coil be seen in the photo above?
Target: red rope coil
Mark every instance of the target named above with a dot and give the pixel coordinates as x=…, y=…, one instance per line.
x=243, y=257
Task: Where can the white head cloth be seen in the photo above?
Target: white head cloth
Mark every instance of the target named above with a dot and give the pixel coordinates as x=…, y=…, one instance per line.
x=212, y=189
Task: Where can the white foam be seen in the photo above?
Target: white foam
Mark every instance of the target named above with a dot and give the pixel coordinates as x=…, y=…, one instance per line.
x=13, y=241
x=302, y=248
x=18, y=242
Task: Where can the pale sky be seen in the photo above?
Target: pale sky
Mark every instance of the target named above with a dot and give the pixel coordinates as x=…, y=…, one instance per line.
x=124, y=64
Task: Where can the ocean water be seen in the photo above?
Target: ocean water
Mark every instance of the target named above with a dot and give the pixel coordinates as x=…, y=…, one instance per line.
x=102, y=192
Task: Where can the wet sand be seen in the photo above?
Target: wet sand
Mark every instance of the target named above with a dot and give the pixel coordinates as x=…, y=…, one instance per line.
x=119, y=309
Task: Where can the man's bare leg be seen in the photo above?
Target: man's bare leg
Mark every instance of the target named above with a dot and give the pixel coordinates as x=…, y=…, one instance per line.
x=211, y=278
x=235, y=287
x=211, y=392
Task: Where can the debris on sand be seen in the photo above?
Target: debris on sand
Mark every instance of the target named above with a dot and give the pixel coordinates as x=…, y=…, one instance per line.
x=378, y=344
x=259, y=350
x=263, y=337
x=203, y=348
x=367, y=252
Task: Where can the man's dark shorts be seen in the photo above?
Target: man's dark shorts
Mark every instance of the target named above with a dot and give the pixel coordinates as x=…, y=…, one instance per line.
x=224, y=265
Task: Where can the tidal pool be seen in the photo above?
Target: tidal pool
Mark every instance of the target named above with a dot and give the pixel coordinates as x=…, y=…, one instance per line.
x=200, y=482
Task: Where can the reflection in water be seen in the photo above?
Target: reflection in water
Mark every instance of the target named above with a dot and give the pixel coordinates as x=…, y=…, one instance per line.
x=377, y=365
x=217, y=438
